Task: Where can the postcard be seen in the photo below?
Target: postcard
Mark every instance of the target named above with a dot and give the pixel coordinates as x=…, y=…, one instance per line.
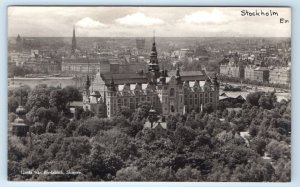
x=140, y=93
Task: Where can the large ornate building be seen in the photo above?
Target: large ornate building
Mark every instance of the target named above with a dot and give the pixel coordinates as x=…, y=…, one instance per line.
x=167, y=92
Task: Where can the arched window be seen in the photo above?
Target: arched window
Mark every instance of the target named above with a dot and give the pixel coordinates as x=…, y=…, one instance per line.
x=172, y=92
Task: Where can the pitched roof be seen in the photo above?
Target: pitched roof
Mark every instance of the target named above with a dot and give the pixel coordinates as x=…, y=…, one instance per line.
x=125, y=78
x=185, y=73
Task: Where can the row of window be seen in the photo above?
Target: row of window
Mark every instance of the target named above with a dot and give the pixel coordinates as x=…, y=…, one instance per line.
x=133, y=102
x=79, y=68
x=197, y=101
x=171, y=93
x=127, y=103
x=196, y=95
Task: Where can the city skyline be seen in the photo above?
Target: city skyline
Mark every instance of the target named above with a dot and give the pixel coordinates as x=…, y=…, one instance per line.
x=141, y=21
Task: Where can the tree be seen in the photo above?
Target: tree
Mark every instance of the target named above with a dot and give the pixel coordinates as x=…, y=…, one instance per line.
x=12, y=104
x=146, y=135
x=142, y=111
x=74, y=150
x=71, y=126
x=62, y=123
x=17, y=150
x=253, y=130
x=283, y=171
x=58, y=98
x=38, y=128
x=284, y=126
x=253, y=98
x=44, y=115
x=102, y=164
x=258, y=144
x=129, y=174
x=51, y=128
x=124, y=111
x=184, y=134
x=94, y=125
x=72, y=93
x=265, y=102
x=11, y=117
x=208, y=107
x=225, y=113
x=279, y=150
x=83, y=130
x=39, y=97
x=134, y=128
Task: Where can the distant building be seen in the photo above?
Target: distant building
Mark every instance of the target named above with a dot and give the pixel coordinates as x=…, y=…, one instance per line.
x=85, y=64
x=32, y=82
x=280, y=75
x=43, y=64
x=103, y=62
x=232, y=67
x=140, y=45
x=254, y=73
x=49, y=66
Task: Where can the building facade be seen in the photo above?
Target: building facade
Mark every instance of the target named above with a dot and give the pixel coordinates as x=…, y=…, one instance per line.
x=230, y=71
x=260, y=74
x=167, y=93
x=280, y=75
x=232, y=67
x=85, y=65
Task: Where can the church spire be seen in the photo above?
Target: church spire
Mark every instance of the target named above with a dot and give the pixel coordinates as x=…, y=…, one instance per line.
x=74, y=41
x=153, y=65
x=154, y=36
x=153, y=50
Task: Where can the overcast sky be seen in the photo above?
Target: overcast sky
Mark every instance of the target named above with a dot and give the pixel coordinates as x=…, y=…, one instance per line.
x=141, y=21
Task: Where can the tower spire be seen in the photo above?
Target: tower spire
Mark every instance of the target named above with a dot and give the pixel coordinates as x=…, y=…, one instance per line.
x=73, y=30
x=74, y=41
x=153, y=66
x=154, y=36
x=88, y=61
x=21, y=97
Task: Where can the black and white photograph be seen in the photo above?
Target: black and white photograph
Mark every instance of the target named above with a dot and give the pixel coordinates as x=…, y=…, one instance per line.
x=149, y=93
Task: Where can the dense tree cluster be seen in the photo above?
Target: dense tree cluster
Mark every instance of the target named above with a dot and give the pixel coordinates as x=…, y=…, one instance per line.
x=248, y=144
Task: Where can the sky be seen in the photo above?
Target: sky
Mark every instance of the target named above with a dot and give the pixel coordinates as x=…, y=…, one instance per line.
x=142, y=21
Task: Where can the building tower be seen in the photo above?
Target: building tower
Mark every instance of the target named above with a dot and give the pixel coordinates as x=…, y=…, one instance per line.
x=74, y=41
x=20, y=128
x=178, y=76
x=153, y=66
x=216, y=87
x=86, y=94
x=19, y=43
x=110, y=98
